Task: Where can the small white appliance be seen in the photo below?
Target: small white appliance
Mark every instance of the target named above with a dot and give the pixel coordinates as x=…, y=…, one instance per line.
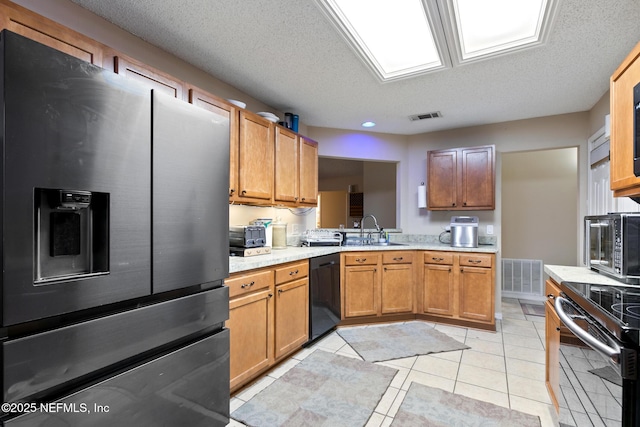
x=464, y=231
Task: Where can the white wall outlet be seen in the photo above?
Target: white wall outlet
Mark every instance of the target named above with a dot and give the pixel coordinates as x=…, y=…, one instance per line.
x=489, y=229
x=296, y=229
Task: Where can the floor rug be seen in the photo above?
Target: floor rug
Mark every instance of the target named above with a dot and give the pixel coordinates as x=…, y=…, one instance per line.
x=324, y=389
x=532, y=309
x=386, y=342
x=608, y=373
x=428, y=406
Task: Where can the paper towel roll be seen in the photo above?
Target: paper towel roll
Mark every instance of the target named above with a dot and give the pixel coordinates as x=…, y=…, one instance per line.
x=422, y=196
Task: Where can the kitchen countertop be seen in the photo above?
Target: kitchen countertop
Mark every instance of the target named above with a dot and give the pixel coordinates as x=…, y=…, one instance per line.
x=564, y=273
x=292, y=253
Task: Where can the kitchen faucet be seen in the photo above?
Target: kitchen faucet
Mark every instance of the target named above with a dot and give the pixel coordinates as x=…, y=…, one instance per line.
x=375, y=222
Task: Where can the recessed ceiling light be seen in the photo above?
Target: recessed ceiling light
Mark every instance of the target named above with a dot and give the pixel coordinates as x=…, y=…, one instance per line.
x=368, y=124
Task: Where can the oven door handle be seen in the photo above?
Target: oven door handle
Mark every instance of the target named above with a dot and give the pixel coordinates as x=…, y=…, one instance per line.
x=612, y=349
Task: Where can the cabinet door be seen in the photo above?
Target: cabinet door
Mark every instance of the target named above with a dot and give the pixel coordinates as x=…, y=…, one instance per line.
x=224, y=109
x=26, y=23
x=476, y=293
x=361, y=291
x=291, y=316
x=438, y=288
x=552, y=352
x=251, y=326
x=397, y=288
x=478, y=178
x=155, y=79
x=255, y=173
x=287, y=166
x=308, y=172
x=624, y=79
x=442, y=171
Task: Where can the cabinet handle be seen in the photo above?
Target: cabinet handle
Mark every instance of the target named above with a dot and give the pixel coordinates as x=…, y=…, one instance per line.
x=558, y=329
x=270, y=295
x=303, y=199
x=243, y=192
x=385, y=268
x=247, y=285
x=295, y=198
x=464, y=203
x=291, y=273
x=551, y=296
x=398, y=259
x=375, y=270
x=453, y=204
x=231, y=191
x=280, y=291
x=475, y=261
x=361, y=259
x=449, y=269
x=437, y=259
x=462, y=270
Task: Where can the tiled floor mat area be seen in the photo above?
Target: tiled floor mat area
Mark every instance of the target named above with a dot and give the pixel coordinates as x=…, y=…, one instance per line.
x=506, y=368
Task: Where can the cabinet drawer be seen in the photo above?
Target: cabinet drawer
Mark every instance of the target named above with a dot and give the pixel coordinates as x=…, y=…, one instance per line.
x=245, y=283
x=438, y=258
x=476, y=260
x=397, y=257
x=365, y=258
x=292, y=272
x=552, y=289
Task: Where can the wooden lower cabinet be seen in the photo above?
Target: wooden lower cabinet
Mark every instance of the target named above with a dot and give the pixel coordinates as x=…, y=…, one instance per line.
x=360, y=284
x=291, y=316
x=438, y=296
x=251, y=344
x=552, y=352
x=377, y=284
x=476, y=287
x=397, y=282
x=459, y=286
x=268, y=318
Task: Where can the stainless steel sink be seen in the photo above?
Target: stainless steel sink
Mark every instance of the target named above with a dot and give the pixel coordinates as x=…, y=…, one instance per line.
x=365, y=244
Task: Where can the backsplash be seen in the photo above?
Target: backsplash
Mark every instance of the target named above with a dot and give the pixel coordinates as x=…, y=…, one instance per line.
x=298, y=219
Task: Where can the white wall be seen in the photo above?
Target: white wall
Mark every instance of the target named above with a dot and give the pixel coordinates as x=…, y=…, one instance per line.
x=539, y=210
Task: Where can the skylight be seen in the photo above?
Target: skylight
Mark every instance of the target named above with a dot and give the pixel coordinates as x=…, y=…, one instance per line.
x=403, y=38
x=393, y=37
x=491, y=26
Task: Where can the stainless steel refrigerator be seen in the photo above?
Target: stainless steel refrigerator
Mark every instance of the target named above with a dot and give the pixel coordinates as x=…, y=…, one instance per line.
x=114, y=248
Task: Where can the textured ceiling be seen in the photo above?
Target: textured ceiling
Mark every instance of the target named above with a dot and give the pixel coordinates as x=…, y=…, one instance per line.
x=288, y=55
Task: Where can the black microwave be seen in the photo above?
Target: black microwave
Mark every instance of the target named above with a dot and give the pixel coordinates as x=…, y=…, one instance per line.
x=612, y=245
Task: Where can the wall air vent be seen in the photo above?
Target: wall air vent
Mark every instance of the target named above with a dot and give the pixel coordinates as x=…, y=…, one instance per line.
x=425, y=116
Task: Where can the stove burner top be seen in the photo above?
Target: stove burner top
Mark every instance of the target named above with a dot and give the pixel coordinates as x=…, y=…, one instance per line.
x=620, y=303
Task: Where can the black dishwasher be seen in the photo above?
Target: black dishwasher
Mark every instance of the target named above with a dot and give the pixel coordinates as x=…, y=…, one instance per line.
x=324, y=295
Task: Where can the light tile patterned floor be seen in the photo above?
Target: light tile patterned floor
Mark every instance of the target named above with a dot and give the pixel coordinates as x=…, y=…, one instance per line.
x=504, y=367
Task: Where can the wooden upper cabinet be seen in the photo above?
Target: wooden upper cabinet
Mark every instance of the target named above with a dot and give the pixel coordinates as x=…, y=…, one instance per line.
x=156, y=79
x=623, y=80
x=36, y=27
x=308, y=172
x=256, y=161
x=442, y=179
x=461, y=178
x=286, y=188
x=217, y=106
